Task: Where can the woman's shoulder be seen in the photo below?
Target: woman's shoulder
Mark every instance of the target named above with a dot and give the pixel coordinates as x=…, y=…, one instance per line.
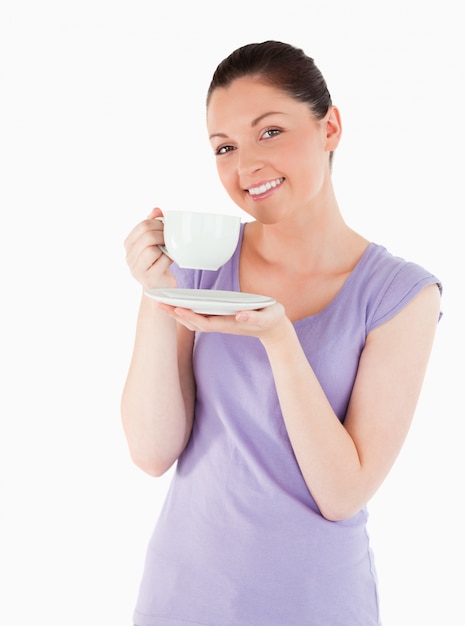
x=390, y=282
x=382, y=266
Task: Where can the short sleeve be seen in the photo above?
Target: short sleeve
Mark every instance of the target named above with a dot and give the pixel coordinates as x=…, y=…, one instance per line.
x=404, y=283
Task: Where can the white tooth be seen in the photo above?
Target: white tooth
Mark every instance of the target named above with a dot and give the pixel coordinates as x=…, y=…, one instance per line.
x=265, y=187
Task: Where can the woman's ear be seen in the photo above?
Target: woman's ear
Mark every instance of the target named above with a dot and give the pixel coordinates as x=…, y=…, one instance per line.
x=333, y=129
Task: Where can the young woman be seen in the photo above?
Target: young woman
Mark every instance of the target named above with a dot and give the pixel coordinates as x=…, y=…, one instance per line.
x=283, y=421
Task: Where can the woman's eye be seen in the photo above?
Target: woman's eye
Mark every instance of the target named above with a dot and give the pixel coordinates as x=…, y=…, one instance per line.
x=271, y=132
x=224, y=149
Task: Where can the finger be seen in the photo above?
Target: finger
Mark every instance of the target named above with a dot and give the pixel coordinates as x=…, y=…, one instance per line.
x=146, y=258
x=147, y=225
x=144, y=239
x=154, y=213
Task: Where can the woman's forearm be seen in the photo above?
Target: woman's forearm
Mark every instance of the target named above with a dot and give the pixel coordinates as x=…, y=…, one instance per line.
x=157, y=399
x=325, y=452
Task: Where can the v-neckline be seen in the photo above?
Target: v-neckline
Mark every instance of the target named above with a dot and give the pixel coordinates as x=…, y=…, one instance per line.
x=340, y=295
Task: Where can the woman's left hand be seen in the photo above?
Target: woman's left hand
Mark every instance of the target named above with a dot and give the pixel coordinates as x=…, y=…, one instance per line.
x=266, y=324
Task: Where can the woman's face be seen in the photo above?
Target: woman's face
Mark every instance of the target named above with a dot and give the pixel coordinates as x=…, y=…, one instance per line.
x=272, y=154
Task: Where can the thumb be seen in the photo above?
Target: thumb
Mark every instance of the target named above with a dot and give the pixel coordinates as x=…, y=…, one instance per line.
x=156, y=212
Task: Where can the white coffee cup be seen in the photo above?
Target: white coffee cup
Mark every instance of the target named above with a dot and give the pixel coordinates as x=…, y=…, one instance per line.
x=199, y=240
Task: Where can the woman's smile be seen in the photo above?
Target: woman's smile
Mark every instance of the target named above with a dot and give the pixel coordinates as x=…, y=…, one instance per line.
x=264, y=189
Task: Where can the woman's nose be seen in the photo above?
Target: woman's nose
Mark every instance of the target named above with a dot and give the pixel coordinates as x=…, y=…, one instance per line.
x=249, y=162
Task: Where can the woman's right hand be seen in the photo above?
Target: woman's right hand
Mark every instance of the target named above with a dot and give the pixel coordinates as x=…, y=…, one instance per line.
x=147, y=263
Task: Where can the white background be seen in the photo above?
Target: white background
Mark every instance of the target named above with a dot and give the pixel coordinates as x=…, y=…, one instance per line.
x=102, y=118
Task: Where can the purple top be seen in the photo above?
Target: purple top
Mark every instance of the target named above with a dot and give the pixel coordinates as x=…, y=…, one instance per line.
x=240, y=540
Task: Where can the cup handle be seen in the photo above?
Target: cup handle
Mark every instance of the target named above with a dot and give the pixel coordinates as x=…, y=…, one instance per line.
x=165, y=251
x=163, y=248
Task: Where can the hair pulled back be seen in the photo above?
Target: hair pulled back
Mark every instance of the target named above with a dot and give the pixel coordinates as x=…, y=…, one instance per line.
x=279, y=65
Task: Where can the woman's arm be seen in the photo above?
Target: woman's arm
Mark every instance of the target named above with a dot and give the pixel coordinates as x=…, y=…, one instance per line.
x=158, y=398
x=344, y=465
x=157, y=404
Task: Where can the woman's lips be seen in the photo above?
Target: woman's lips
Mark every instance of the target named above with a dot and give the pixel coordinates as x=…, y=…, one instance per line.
x=263, y=188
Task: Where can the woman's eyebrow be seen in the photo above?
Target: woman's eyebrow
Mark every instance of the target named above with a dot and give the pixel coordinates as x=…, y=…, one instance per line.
x=255, y=121
x=258, y=119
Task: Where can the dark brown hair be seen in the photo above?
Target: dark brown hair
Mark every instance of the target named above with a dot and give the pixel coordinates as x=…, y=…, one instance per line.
x=279, y=65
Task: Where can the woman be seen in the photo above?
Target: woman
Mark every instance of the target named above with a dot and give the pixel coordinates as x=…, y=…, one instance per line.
x=284, y=421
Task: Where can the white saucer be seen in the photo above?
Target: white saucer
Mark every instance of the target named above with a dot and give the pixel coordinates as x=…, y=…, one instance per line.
x=210, y=301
